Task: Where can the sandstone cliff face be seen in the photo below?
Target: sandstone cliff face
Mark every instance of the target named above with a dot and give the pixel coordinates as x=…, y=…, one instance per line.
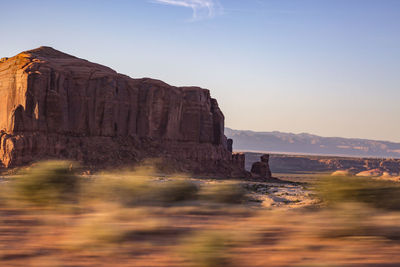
x=54, y=105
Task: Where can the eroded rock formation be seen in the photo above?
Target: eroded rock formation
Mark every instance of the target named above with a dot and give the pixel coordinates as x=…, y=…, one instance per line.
x=55, y=105
x=284, y=163
x=260, y=169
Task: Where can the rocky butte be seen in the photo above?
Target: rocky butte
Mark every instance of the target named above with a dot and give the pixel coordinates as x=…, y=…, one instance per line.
x=54, y=105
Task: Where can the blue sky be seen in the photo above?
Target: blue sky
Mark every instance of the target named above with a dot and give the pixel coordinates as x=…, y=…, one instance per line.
x=327, y=67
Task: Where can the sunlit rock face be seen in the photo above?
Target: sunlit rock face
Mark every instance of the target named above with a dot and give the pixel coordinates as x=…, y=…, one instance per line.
x=55, y=105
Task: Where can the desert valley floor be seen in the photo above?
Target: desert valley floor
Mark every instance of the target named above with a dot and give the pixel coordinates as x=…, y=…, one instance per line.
x=171, y=223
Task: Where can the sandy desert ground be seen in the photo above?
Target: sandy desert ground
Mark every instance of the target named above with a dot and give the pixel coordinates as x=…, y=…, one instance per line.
x=138, y=219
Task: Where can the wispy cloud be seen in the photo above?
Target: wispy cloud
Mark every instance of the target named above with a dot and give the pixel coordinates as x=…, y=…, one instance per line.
x=200, y=8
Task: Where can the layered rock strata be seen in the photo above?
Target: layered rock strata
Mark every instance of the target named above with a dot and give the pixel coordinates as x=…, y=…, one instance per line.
x=54, y=105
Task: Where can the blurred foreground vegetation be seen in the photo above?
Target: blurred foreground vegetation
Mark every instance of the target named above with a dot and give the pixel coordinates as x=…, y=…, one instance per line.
x=380, y=194
x=52, y=216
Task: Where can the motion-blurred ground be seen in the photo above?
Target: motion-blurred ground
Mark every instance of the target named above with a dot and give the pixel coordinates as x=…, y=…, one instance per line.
x=50, y=216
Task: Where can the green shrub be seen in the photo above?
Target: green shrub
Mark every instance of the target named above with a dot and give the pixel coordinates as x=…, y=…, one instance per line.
x=175, y=191
x=229, y=193
x=206, y=249
x=47, y=183
x=378, y=194
x=132, y=190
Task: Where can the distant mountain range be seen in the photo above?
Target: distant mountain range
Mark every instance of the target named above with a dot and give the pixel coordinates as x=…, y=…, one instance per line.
x=305, y=143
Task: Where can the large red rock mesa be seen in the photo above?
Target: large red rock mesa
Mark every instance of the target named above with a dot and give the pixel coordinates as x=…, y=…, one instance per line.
x=54, y=105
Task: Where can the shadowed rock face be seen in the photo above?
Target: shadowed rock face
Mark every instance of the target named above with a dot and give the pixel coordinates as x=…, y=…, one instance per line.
x=260, y=169
x=54, y=105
